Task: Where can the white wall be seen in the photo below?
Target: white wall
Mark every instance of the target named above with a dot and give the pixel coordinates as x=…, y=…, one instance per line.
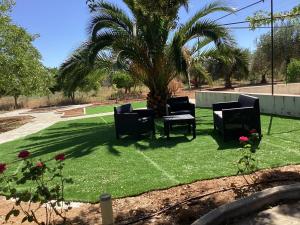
x=286, y=105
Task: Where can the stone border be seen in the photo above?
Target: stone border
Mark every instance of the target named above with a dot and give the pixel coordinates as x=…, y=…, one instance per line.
x=250, y=204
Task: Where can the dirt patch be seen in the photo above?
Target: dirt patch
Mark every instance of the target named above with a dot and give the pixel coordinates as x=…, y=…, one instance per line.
x=11, y=123
x=120, y=102
x=47, y=109
x=72, y=112
x=178, y=205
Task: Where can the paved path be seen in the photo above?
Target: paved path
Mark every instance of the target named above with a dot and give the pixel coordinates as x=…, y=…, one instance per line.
x=287, y=214
x=41, y=121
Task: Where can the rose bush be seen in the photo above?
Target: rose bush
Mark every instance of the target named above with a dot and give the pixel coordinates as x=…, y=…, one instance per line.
x=24, y=154
x=2, y=167
x=247, y=163
x=45, y=188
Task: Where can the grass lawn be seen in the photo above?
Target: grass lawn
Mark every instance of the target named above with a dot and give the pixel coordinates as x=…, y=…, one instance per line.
x=99, y=163
x=110, y=108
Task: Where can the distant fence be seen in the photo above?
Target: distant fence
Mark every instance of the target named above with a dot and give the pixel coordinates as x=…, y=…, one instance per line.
x=285, y=105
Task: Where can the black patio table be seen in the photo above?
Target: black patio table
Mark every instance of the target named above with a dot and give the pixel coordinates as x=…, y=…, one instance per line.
x=185, y=119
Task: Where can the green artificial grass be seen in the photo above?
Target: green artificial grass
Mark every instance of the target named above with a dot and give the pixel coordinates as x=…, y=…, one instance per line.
x=110, y=108
x=99, y=163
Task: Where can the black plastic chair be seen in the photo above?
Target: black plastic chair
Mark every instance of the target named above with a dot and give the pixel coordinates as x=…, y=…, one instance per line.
x=133, y=122
x=180, y=106
x=232, y=119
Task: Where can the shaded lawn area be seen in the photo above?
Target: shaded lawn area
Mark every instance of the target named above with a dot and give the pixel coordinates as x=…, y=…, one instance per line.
x=110, y=108
x=99, y=163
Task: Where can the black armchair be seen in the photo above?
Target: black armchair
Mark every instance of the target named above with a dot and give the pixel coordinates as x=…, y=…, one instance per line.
x=179, y=106
x=234, y=118
x=133, y=122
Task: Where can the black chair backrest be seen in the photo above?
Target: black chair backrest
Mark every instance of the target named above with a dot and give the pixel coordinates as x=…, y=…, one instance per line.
x=177, y=100
x=248, y=101
x=127, y=108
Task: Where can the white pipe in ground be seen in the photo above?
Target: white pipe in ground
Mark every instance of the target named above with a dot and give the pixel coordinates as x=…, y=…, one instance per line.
x=106, y=209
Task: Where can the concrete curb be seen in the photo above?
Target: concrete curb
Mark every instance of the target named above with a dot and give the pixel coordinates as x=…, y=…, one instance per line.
x=250, y=204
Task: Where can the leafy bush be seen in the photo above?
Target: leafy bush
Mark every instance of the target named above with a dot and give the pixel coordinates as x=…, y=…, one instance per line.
x=293, y=71
x=247, y=164
x=46, y=189
x=123, y=80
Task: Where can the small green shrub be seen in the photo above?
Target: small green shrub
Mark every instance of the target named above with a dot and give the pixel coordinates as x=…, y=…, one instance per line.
x=293, y=71
x=123, y=80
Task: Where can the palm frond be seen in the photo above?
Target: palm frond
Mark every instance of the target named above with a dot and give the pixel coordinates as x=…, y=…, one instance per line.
x=208, y=29
x=206, y=10
x=109, y=16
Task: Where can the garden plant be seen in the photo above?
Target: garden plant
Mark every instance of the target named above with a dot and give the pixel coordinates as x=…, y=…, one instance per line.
x=44, y=190
x=248, y=164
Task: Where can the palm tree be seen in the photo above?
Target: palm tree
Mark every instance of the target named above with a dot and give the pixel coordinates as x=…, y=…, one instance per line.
x=148, y=42
x=230, y=62
x=78, y=73
x=197, y=59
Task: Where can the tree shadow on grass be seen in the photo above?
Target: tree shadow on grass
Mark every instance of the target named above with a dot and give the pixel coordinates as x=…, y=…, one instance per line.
x=80, y=139
x=224, y=145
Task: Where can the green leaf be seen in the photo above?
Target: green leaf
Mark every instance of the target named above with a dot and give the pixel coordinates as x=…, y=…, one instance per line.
x=16, y=212
x=24, y=219
x=9, y=214
x=30, y=219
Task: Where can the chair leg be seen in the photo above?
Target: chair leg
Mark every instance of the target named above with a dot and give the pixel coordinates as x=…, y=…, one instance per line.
x=117, y=135
x=194, y=129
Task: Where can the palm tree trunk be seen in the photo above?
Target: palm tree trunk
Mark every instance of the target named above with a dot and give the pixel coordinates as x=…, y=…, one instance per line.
x=263, y=79
x=72, y=96
x=189, y=80
x=16, y=101
x=157, y=100
x=228, y=81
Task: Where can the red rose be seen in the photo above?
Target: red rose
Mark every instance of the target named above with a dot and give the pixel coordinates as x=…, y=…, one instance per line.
x=253, y=131
x=60, y=157
x=24, y=154
x=2, y=167
x=243, y=139
x=39, y=164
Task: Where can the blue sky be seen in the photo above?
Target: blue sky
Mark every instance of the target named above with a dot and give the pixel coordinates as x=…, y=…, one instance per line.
x=62, y=24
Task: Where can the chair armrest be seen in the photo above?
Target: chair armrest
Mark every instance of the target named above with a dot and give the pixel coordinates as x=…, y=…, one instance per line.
x=191, y=105
x=144, y=112
x=225, y=105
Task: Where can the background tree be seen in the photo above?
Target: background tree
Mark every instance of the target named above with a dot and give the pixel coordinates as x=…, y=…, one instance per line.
x=229, y=62
x=21, y=72
x=286, y=41
x=293, y=71
x=196, y=60
x=77, y=74
x=123, y=80
x=286, y=47
x=142, y=42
